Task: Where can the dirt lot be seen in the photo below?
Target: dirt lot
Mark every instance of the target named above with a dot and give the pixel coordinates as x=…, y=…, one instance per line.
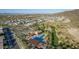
x=75, y=33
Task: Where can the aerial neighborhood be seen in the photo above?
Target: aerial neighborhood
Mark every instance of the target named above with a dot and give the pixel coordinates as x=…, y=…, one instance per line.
x=40, y=31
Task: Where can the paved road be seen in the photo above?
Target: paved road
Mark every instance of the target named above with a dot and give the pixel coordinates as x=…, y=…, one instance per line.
x=1, y=39
x=1, y=42
x=16, y=47
x=19, y=42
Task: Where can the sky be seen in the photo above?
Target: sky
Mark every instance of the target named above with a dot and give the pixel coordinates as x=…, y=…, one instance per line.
x=32, y=11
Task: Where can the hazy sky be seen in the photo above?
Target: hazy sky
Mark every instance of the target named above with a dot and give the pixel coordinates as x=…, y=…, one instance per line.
x=31, y=11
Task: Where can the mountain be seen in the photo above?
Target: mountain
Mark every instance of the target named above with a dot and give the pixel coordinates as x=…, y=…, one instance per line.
x=72, y=15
